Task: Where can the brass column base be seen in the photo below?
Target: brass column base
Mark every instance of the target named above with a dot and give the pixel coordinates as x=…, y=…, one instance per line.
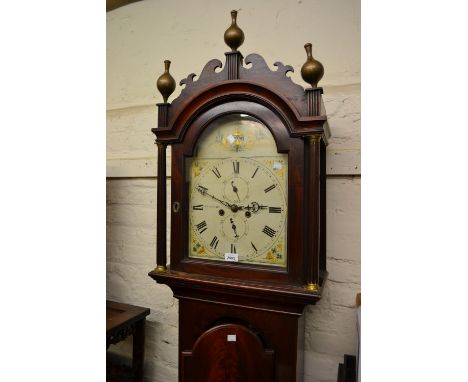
x=160, y=268
x=312, y=287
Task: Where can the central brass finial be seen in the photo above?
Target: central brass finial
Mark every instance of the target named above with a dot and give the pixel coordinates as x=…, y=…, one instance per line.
x=234, y=36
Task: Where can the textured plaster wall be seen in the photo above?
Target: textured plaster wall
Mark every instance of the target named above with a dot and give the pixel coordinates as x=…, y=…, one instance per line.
x=139, y=37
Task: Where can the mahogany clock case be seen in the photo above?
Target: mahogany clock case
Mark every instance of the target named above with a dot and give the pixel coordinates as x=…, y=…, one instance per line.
x=258, y=305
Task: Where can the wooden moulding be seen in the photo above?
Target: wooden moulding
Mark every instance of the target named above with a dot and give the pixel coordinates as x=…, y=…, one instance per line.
x=269, y=297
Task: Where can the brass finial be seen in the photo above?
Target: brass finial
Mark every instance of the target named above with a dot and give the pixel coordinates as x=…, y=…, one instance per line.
x=312, y=70
x=234, y=36
x=166, y=83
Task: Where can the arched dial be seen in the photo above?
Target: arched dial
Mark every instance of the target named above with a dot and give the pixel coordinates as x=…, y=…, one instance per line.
x=238, y=205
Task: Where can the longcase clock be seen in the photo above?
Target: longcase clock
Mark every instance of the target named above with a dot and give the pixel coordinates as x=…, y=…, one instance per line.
x=247, y=227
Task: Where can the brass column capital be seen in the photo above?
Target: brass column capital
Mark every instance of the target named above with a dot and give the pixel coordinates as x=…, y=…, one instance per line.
x=314, y=138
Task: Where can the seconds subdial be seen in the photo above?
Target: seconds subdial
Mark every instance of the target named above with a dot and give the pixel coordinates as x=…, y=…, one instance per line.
x=236, y=189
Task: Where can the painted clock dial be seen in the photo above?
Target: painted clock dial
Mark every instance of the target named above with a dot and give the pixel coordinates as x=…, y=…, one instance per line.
x=238, y=194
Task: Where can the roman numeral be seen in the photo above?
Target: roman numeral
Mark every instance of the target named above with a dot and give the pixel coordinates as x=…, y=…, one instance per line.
x=236, y=166
x=270, y=188
x=214, y=242
x=274, y=210
x=253, y=246
x=233, y=248
x=255, y=172
x=202, y=190
x=269, y=231
x=198, y=207
x=216, y=172
x=201, y=227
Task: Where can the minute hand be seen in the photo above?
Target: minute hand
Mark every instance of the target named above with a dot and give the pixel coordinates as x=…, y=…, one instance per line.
x=204, y=192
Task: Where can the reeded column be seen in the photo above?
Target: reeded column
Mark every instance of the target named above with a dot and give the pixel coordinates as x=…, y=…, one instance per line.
x=314, y=100
x=233, y=63
x=163, y=114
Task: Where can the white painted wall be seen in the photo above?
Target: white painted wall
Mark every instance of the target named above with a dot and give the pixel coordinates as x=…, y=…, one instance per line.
x=189, y=33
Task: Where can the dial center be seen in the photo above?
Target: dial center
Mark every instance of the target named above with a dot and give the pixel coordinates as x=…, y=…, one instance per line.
x=234, y=208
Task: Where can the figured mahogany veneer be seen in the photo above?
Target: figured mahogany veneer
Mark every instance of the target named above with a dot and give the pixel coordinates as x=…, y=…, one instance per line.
x=228, y=352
